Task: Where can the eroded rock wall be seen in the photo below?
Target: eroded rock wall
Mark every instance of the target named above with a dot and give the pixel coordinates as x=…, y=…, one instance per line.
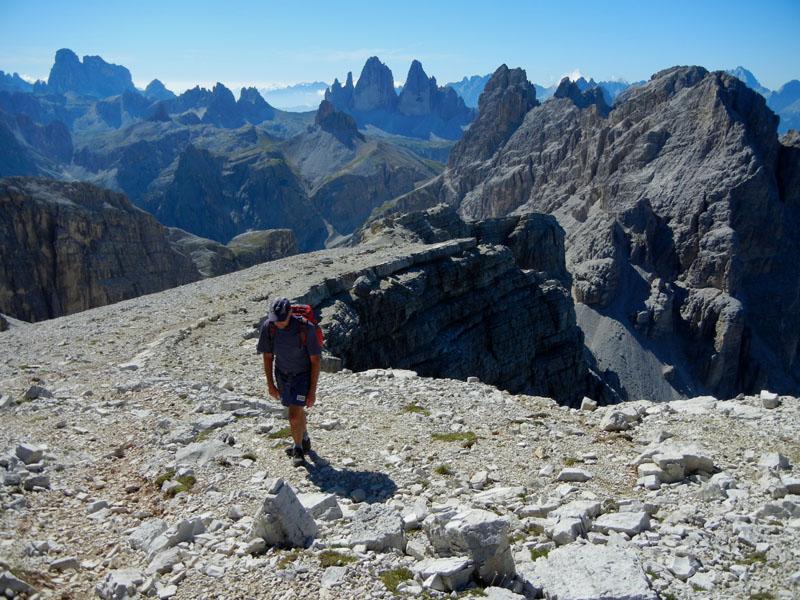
x=456, y=310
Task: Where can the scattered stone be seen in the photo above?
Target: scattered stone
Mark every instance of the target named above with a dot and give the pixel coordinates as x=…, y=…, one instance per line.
x=29, y=454
x=120, y=584
x=282, y=520
x=324, y=507
x=588, y=572
x=445, y=574
x=587, y=404
x=769, y=400
x=35, y=392
x=775, y=461
x=379, y=528
x=630, y=523
x=64, y=564
x=477, y=534
x=614, y=420
x=573, y=475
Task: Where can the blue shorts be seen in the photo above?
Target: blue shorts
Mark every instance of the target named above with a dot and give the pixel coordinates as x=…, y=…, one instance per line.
x=293, y=389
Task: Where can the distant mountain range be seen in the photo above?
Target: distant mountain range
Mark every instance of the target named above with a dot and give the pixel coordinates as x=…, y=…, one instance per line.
x=205, y=161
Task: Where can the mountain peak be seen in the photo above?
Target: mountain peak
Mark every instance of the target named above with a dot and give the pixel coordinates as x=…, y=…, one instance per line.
x=375, y=87
x=93, y=76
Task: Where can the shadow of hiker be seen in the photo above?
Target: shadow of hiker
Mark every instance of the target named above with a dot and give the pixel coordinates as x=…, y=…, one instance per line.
x=377, y=487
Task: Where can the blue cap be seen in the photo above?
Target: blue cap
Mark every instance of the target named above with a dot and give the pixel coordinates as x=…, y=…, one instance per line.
x=279, y=309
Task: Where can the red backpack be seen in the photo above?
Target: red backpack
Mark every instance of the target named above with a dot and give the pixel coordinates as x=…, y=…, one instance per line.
x=306, y=314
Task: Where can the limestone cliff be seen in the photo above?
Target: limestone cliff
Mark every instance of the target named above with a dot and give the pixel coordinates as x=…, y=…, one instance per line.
x=67, y=247
x=71, y=246
x=680, y=211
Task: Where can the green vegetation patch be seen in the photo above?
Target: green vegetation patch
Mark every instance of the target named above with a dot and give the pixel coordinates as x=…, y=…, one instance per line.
x=416, y=408
x=280, y=434
x=539, y=553
x=331, y=558
x=391, y=579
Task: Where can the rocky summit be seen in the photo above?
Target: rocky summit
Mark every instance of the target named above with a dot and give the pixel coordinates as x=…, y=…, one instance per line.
x=680, y=208
x=423, y=109
x=141, y=458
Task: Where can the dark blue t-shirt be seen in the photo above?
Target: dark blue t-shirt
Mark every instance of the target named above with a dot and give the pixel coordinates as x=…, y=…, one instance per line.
x=287, y=345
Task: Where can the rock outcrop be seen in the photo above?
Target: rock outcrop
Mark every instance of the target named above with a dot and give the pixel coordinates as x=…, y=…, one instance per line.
x=255, y=247
x=68, y=247
x=457, y=310
x=680, y=211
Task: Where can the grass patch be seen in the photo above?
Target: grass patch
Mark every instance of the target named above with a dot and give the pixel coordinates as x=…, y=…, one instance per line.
x=416, y=408
x=539, y=553
x=571, y=460
x=331, y=558
x=467, y=438
x=250, y=455
x=289, y=558
x=762, y=596
x=444, y=470
x=391, y=579
x=203, y=436
x=754, y=558
x=280, y=434
x=165, y=477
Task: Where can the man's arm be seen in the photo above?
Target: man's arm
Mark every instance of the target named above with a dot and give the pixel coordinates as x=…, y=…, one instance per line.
x=311, y=398
x=273, y=391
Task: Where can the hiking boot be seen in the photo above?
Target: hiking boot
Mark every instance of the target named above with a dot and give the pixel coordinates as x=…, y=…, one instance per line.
x=306, y=443
x=298, y=458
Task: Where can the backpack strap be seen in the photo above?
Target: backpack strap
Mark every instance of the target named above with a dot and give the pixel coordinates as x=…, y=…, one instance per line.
x=303, y=328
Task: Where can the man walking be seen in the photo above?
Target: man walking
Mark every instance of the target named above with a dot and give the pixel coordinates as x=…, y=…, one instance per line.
x=292, y=342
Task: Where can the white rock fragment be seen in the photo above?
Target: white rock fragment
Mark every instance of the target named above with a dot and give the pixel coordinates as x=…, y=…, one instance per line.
x=282, y=520
x=769, y=400
x=445, y=574
x=379, y=528
x=630, y=523
x=573, y=475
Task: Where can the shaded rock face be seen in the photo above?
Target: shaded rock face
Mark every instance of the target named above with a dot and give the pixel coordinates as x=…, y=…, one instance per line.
x=457, y=310
x=67, y=247
x=682, y=187
x=422, y=109
x=219, y=197
x=71, y=246
x=93, y=76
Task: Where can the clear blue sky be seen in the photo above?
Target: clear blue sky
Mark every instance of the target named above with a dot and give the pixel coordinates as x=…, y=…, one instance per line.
x=265, y=43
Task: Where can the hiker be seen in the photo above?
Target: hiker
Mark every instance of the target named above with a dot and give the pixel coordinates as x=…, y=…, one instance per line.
x=292, y=341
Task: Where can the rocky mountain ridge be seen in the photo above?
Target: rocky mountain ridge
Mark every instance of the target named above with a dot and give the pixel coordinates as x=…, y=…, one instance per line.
x=686, y=247
x=422, y=109
x=140, y=458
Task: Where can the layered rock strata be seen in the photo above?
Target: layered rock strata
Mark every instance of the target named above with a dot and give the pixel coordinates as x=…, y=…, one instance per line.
x=458, y=309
